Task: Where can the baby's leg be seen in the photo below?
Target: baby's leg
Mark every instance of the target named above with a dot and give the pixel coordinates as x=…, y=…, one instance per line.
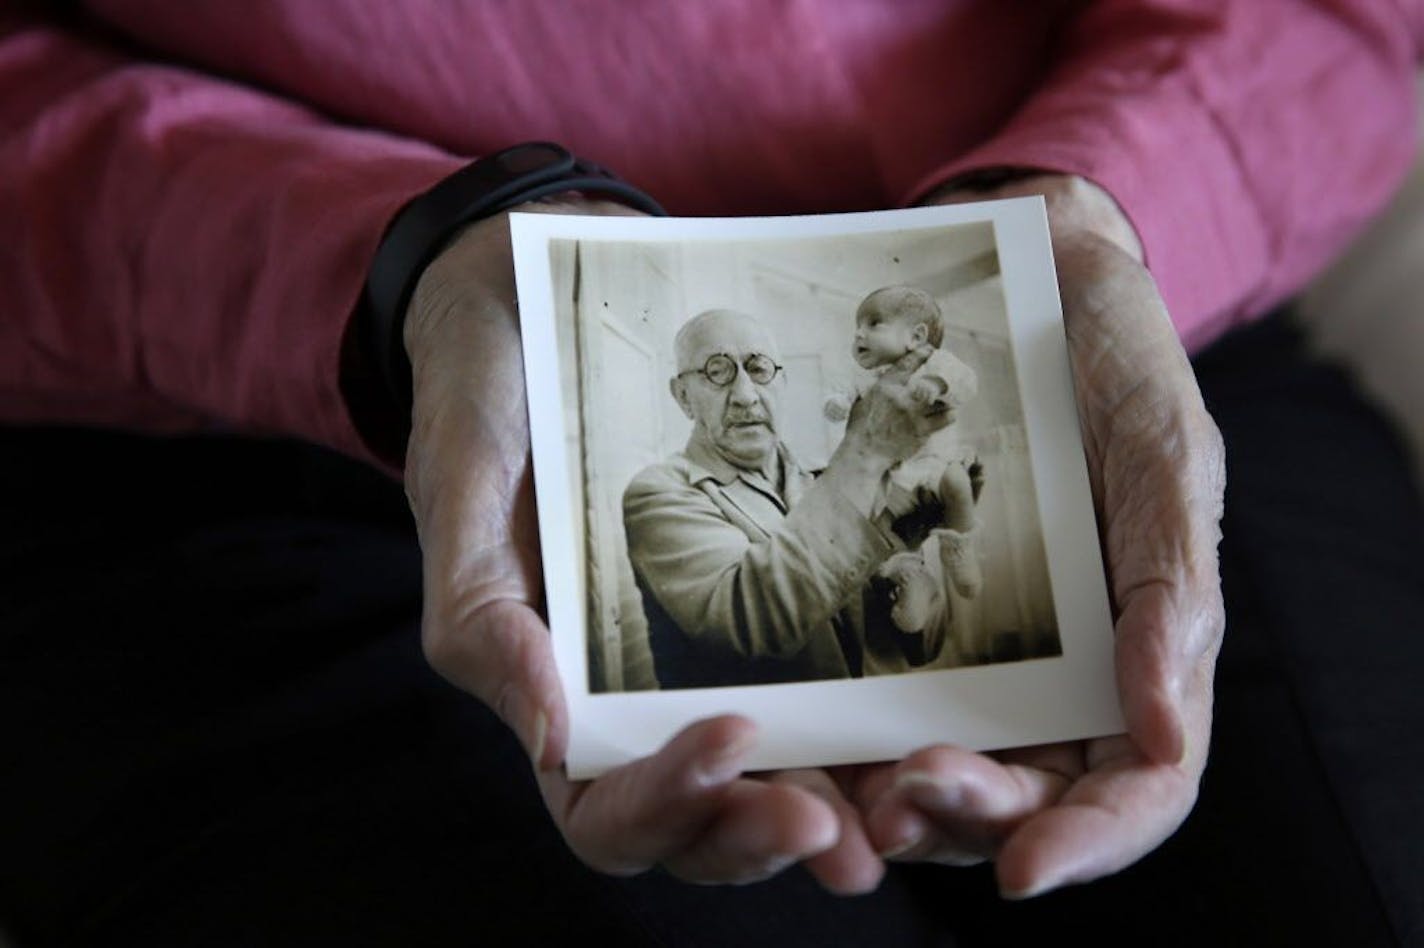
x=958, y=551
x=956, y=489
x=959, y=558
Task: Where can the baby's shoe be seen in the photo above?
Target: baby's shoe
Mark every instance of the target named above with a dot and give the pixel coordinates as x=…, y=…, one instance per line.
x=912, y=591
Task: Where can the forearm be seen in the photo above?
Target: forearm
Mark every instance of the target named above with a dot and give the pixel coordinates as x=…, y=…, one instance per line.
x=188, y=252
x=854, y=473
x=1245, y=142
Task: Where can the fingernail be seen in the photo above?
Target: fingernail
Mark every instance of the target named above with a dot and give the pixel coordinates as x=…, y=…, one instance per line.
x=904, y=845
x=927, y=791
x=526, y=719
x=775, y=866
x=1173, y=749
x=540, y=738
x=724, y=763
x=1032, y=891
x=1186, y=745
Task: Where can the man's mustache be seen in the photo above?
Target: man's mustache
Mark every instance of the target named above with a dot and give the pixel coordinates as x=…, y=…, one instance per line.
x=745, y=418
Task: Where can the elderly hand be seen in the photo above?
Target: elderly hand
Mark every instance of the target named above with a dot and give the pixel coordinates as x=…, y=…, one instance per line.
x=1067, y=813
x=469, y=482
x=893, y=419
x=887, y=424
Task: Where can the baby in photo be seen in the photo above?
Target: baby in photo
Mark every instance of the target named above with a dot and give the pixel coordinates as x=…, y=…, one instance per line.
x=892, y=323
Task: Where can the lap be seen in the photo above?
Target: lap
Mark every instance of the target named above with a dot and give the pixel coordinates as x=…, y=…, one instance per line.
x=217, y=725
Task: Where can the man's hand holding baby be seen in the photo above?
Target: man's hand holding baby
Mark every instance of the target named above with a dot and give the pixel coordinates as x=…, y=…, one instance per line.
x=890, y=422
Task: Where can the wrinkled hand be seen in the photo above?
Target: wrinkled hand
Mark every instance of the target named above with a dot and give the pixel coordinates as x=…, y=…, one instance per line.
x=892, y=420
x=912, y=360
x=1066, y=813
x=469, y=481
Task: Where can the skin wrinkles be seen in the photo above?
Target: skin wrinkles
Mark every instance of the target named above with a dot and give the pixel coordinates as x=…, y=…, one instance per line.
x=737, y=421
x=688, y=807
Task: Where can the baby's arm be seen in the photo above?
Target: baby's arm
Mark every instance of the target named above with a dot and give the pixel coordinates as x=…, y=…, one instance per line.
x=837, y=407
x=946, y=378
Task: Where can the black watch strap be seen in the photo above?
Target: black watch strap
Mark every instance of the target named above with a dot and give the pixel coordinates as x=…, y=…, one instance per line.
x=420, y=230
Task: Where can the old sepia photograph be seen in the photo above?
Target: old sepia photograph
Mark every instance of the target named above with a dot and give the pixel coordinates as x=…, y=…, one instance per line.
x=787, y=459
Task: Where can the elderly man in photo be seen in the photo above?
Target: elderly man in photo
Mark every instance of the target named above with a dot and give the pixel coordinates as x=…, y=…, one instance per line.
x=752, y=569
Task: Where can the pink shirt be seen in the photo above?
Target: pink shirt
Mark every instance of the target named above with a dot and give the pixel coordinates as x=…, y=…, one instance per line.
x=190, y=193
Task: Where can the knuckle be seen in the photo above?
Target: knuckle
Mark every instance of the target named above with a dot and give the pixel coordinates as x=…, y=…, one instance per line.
x=436, y=643
x=1209, y=444
x=599, y=856
x=618, y=841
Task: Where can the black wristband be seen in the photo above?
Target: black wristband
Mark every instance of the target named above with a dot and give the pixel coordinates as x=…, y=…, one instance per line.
x=421, y=228
x=982, y=180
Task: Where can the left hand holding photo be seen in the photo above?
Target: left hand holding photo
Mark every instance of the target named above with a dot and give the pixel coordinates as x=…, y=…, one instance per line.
x=469, y=480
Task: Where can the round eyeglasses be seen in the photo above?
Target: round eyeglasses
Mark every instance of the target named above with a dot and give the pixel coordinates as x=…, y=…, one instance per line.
x=721, y=369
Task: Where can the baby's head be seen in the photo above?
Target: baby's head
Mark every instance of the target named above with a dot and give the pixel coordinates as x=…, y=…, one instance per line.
x=892, y=321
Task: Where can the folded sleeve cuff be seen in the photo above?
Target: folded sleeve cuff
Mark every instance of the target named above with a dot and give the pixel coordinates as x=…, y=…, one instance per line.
x=1202, y=239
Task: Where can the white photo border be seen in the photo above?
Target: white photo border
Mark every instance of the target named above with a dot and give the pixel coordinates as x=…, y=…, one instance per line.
x=1070, y=696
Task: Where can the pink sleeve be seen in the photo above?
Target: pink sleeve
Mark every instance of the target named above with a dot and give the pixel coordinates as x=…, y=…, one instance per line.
x=1247, y=141
x=180, y=252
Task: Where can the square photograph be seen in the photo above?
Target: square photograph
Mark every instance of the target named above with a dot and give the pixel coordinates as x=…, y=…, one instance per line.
x=796, y=468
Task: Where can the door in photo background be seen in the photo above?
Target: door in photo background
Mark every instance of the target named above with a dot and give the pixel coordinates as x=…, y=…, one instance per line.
x=625, y=300
x=1015, y=609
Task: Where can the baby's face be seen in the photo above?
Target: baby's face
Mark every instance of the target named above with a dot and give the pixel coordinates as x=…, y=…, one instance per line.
x=881, y=339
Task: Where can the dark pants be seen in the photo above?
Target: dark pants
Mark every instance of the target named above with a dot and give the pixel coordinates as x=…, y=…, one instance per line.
x=216, y=726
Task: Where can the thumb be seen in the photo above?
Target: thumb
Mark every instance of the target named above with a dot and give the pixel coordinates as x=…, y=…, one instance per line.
x=909, y=363
x=501, y=653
